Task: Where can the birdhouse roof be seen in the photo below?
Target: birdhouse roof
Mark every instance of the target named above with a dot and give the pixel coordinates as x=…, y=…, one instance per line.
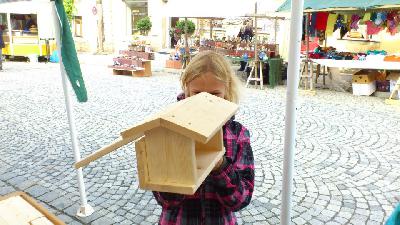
x=198, y=117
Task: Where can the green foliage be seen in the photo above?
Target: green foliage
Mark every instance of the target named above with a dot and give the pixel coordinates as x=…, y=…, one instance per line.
x=190, y=26
x=144, y=25
x=69, y=8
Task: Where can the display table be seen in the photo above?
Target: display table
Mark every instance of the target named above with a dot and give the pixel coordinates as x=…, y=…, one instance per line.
x=358, y=64
x=351, y=64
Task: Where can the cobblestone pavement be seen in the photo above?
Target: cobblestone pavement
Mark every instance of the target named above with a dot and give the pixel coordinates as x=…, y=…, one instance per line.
x=347, y=157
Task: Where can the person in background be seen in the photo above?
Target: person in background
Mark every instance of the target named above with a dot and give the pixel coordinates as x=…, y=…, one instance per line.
x=14, y=23
x=248, y=31
x=229, y=187
x=28, y=23
x=242, y=36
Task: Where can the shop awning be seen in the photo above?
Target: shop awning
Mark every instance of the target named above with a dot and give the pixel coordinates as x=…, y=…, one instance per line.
x=216, y=8
x=318, y=5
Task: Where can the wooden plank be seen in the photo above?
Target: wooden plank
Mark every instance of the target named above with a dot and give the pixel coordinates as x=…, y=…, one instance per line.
x=106, y=150
x=15, y=210
x=141, y=159
x=147, y=68
x=147, y=124
x=32, y=203
x=156, y=155
x=171, y=188
x=206, y=161
x=42, y=209
x=180, y=158
x=192, y=118
x=216, y=143
x=41, y=221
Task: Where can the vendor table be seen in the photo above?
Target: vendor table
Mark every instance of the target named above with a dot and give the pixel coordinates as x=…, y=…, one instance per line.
x=358, y=64
x=353, y=64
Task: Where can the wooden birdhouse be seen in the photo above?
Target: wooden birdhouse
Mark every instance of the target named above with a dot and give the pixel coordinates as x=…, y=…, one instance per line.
x=179, y=146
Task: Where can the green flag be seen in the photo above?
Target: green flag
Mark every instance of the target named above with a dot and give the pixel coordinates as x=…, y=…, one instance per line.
x=69, y=58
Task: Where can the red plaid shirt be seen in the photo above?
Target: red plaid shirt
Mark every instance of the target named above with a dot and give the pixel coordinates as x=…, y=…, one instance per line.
x=222, y=193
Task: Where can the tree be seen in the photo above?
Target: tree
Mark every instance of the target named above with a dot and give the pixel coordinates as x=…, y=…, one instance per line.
x=69, y=8
x=144, y=25
x=190, y=26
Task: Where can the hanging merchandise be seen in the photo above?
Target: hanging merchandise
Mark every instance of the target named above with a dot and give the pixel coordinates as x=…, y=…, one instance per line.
x=322, y=19
x=392, y=22
x=379, y=18
x=372, y=28
x=354, y=21
x=313, y=24
x=340, y=24
x=330, y=24
x=367, y=17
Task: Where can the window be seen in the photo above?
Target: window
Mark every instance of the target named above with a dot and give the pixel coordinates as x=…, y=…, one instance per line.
x=77, y=26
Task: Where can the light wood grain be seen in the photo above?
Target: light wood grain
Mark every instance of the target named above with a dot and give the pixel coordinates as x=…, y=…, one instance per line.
x=216, y=143
x=200, y=117
x=106, y=150
x=147, y=124
x=141, y=159
x=181, y=161
x=38, y=209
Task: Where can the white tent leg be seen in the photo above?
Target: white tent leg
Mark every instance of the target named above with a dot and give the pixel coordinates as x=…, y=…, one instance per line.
x=85, y=209
x=290, y=121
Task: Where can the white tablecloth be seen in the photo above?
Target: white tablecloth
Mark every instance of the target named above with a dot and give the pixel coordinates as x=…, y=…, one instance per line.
x=357, y=64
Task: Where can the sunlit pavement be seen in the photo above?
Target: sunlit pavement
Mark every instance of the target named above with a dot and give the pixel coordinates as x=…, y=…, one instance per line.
x=347, y=153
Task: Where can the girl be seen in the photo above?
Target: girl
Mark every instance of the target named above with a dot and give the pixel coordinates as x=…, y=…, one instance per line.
x=229, y=187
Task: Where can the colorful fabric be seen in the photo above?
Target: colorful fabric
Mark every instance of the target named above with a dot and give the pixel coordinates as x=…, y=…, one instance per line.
x=330, y=24
x=367, y=17
x=372, y=28
x=394, y=218
x=313, y=24
x=222, y=193
x=322, y=19
x=354, y=21
x=392, y=22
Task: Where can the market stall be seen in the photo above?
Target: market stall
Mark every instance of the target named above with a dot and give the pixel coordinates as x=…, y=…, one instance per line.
x=358, y=30
x=28, y=32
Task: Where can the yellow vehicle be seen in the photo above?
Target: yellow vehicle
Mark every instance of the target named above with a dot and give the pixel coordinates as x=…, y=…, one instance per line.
x=29, y=28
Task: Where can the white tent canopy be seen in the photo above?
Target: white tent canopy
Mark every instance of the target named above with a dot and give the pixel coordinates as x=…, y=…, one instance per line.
x=217, y=8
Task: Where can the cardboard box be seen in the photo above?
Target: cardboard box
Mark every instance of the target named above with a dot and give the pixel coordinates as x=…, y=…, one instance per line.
x=364, y=89
x=365, y=76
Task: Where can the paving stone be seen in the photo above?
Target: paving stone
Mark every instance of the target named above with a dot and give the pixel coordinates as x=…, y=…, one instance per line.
x=103, y=221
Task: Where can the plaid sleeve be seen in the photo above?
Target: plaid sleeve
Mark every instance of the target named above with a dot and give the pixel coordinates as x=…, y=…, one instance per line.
x=168, y=199
x=234, y=183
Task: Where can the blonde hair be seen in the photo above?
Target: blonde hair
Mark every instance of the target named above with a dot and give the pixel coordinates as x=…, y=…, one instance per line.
x=210, y=61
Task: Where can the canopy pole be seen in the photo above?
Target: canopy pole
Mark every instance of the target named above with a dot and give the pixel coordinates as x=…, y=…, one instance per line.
x=290, y=121
x=211, y=29
x=85, y=209
x=255, y=39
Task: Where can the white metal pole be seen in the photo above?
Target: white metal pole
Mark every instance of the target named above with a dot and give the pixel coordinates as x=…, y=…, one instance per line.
x=290, y=121
x=85, y=209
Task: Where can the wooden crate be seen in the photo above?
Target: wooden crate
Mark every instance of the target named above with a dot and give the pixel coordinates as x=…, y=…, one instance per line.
x=174, y=64
x=18, y=208
x=143, y=55
x=125, y=70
